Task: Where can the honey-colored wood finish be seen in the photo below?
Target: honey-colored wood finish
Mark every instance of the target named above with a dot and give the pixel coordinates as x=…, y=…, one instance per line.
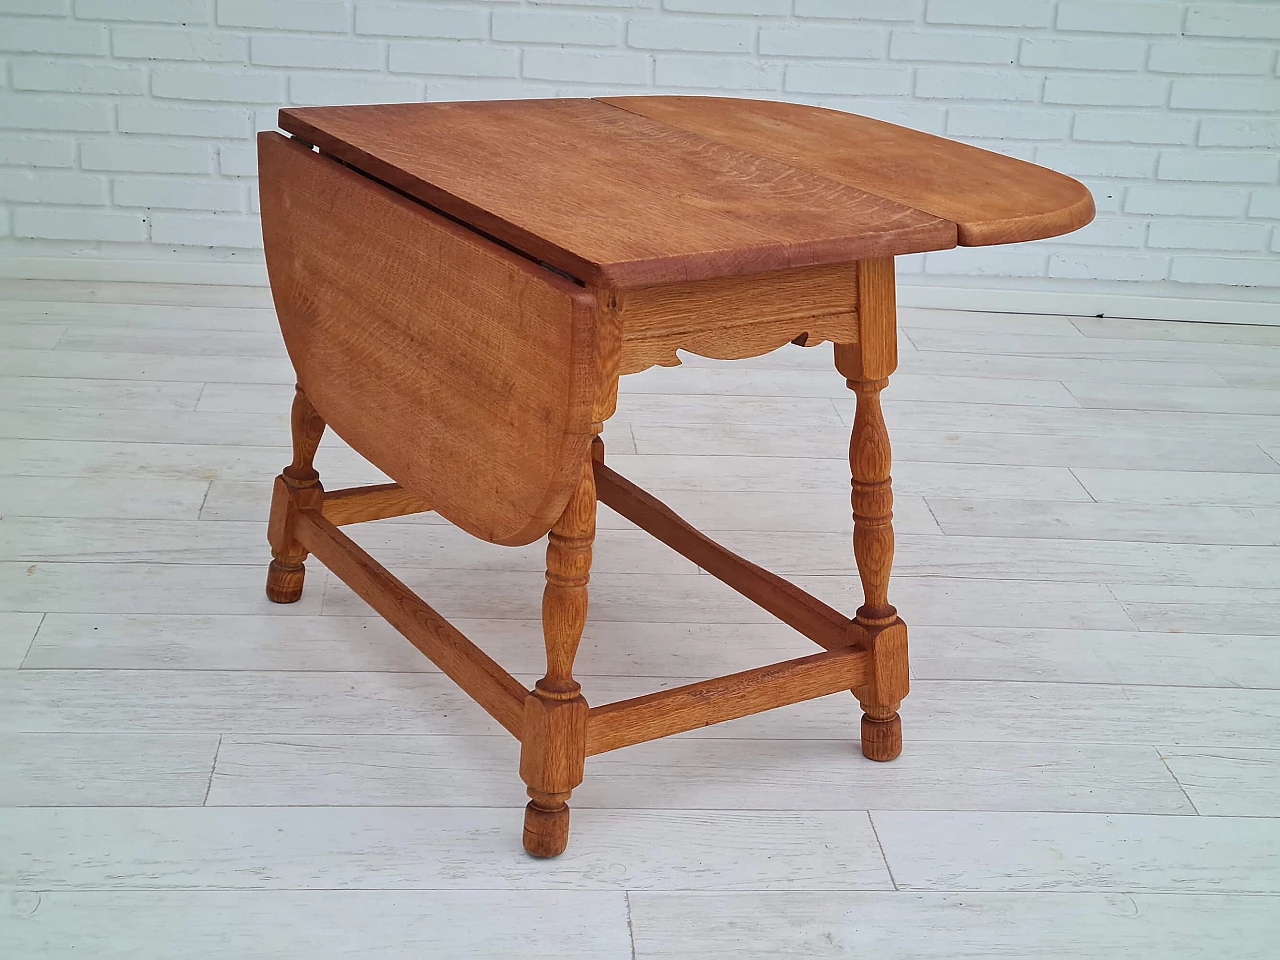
x=460, y=287
x=297, y=485
x=869, y=460
x=628, y=722
x=809, y=616
x=464, y=371
x=381, y=501
x=753, y=315
x=990, y=198
x=887, y=683
x=553, y=746
x=466, y=664
x=692, y=209
x=866, y=366
x=875, y=354
x=712, y=187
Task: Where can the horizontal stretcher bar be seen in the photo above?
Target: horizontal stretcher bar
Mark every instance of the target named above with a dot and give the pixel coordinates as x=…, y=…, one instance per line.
x=822, y=624
x=380, y=501
x=443, y=644
x=656, y=715
x=843, y=666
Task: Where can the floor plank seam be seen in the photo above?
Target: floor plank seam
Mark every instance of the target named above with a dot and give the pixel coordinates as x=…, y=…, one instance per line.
x=1047, y=891
x=203, y=500
x=213, y=769
x=631, y=932
x=1076, y=477
x=31, y=644
x=498, y=737
x=938, y=523
x=1165, y=762
x=681, y=678
x=1127, y=612
x=883, y=855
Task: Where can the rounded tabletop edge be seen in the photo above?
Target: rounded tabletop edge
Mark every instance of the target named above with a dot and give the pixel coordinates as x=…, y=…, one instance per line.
x=991, y=198
x=1018, y=230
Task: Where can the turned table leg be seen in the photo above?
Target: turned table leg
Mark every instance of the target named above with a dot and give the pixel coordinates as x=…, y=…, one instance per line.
x=553, y=748
x=298, y=482
x=866, y=366
x=884, y=632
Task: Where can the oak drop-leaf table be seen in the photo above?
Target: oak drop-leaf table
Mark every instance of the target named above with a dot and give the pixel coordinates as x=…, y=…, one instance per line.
x=460, y=286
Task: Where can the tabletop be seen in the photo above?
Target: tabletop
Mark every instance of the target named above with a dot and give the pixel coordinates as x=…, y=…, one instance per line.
x=637, y=191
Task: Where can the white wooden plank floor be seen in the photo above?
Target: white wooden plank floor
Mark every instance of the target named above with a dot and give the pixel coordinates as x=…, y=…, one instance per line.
x=1089, y=556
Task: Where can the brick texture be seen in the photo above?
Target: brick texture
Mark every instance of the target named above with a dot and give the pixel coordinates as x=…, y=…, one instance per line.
x=132, y=122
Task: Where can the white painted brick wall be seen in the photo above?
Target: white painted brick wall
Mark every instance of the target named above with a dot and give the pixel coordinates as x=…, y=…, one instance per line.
x=126, y=125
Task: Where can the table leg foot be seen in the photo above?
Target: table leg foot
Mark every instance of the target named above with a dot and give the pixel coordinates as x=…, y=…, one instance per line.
x=546, y=826
x=284, y=581
x=297, y=486
x=881, y=733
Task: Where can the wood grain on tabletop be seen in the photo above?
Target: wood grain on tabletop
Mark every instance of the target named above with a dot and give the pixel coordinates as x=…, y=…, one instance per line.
x=990, y=198
x=493, y=437
x=634, y=191
x=613, y=198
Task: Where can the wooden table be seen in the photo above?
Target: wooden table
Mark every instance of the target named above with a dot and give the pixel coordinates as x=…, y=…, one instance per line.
x=460, y=286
